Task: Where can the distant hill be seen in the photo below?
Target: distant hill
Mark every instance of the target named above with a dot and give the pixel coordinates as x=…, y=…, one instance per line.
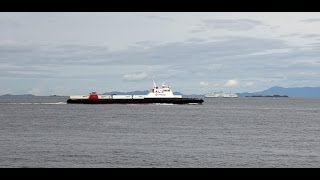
x=307, y=92
x=134, y=92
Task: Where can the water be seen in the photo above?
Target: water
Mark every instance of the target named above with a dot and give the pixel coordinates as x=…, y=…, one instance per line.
x=243, y=132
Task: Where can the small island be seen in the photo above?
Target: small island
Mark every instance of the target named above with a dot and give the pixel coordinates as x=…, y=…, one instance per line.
x=276, y=96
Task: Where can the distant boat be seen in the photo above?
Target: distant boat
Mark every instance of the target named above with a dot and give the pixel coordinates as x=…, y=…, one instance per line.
x=221, y=95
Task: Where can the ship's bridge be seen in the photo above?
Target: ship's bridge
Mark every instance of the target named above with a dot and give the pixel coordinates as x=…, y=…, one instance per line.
x=163, y=92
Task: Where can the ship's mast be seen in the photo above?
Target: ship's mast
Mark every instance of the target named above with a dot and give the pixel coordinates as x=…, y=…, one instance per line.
x=154, y=84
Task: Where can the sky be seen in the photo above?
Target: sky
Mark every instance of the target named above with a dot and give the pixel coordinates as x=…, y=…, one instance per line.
x=71, y=53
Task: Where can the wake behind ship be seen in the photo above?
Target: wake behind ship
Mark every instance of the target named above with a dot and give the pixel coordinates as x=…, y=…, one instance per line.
x=163, y=95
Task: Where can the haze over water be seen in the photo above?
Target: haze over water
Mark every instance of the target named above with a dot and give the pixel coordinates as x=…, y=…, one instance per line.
x=242, y=132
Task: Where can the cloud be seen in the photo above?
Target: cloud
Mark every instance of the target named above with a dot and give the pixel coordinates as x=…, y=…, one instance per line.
x=161, y=18
x=291, y=35
x=313, y=36
x=144, y=44
x=231, y=24
x=163, y=54
x=231, y=83
x=9, y=23
x=135, y=76
x=245, y=57
x=7, y=43
x=214, y=67
x=197, y=30
x=9, y=46
x=204, y=83
x=179, y=60
x=311, y=20
x=249, y=84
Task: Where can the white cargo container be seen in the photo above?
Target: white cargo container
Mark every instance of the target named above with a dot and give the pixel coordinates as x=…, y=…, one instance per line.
x=79, y=97
x=104, y=97
x=138, y=96
x=122, y=96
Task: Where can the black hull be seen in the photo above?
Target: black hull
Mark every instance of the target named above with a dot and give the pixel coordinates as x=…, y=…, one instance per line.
x=138, y=101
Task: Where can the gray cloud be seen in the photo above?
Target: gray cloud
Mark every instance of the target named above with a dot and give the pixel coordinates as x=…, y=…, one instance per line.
x=8, y=23
x=249, y=60
x=139, y=76
x=174, y=55
x=231, y=24
x=161, y=18
x=311, y=36
x=291, y=35
x=311, y=20
x=198, y=29
x=204, y=83
x=196, y=40
x=8, y=46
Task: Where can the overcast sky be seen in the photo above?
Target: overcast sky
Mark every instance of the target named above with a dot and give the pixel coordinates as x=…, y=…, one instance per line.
x=76, y=53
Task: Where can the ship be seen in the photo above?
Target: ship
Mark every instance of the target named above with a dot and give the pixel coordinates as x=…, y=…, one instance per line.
x=156, y=95
x=221, y=95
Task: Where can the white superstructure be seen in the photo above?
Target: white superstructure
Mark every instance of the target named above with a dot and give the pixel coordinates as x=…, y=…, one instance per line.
x=163, y=92
x=221, y=95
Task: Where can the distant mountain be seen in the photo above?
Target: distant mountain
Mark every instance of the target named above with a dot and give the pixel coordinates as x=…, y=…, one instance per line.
x=307, y=92
x=178, y=93
x=134, y=92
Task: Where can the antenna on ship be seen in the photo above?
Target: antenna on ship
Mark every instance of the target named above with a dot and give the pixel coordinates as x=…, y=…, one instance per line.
x=154, y=84
x=163, y=84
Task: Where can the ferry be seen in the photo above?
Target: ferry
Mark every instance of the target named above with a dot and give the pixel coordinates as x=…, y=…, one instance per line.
x=156, y=95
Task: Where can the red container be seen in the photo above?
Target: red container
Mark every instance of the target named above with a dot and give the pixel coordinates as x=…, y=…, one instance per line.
x=93, y=96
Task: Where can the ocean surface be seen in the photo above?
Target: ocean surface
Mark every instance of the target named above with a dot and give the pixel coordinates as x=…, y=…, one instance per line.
x=221, y=133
